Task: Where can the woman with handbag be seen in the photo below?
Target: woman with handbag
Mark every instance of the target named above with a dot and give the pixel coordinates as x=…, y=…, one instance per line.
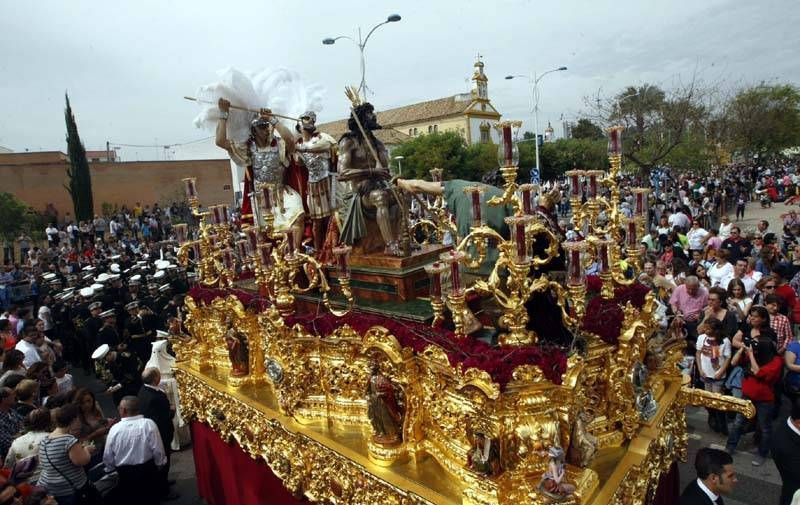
x=62, y=459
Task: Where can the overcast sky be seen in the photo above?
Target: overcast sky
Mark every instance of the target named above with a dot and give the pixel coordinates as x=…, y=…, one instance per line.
x=126, y=64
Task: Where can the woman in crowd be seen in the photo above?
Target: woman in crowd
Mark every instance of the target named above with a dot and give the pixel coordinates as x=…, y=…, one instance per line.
x=757, y=355
x=27, y=396
x=7, y=339
x=36, y=428
x=721, y=269
x=701, y=273
x=718, y=309
x=62, y=457
x=738, y=301
x=93, y=425
x=12, y=365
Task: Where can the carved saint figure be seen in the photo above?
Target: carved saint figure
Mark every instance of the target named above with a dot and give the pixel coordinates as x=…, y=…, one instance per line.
x=554, y=479
x=383, y=408
x=583, y=445
x=238, y=353
x=484, y=457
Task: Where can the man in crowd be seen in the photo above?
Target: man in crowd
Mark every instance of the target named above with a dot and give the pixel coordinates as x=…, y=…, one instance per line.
x=715, y=477
x=135, y=449
x=688, y=301
x=154, y=404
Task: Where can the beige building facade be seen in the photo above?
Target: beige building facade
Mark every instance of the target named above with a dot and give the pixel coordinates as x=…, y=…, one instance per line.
x=39, y=179
x=469, y=114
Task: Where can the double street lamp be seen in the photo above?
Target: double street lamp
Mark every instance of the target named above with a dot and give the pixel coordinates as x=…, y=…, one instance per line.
x=533, y=80
x=361, y=43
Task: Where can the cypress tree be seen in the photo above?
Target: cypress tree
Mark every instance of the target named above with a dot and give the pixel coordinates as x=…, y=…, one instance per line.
x=80, y=179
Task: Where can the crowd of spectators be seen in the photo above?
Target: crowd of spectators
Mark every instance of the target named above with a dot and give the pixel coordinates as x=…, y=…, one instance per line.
x=97, y=296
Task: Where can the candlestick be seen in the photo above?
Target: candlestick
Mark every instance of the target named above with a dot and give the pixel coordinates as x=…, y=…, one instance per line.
x=342, y=255
x=241, y=247
x=575, y=187
x=475, y=198
x=196, y=251
x=216, y=217
x=517, y=226
x=526, y=191
x=507, y=151
x=641, y=201
x=181, y=232
x=252, y=236
x=615, y=140
x=453, y=258
x=593, y=174
x=265, y=254
x=434, y=271
x=190, y=185
x=631, y=238
x=602, y=252
x=575, y=271
x=227, y=258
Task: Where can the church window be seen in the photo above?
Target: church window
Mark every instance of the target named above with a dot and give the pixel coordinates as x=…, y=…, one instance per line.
x=430, y=128
x=435, y=128
x=410, y=132
x=484, y=136
x=415, y=132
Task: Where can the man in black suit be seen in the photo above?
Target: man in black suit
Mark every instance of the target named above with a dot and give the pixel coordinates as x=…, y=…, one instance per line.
x=715, y=477
x=154, y=405
x=786, y=452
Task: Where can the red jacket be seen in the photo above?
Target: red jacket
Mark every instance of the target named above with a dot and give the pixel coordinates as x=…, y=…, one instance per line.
x=759, y=387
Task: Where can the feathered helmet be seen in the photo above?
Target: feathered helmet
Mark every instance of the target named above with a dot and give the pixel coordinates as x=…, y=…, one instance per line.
x=555, y=452
x=258, y=121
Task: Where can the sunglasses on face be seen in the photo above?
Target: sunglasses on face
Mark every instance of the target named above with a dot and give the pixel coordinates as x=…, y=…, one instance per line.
x=771, y=286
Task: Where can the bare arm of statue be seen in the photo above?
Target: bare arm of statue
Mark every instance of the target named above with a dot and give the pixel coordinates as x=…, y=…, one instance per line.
x=345, y=148
x=420, y=186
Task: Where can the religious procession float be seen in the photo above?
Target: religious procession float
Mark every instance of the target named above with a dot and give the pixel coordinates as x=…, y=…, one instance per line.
x=440, y=343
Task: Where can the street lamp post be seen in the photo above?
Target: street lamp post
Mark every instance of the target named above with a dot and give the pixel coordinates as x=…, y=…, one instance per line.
x=362, y=43
x=399, y=165
x=533, y=80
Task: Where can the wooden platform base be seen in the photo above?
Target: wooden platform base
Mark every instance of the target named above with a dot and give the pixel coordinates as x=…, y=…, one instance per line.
x=379, y=277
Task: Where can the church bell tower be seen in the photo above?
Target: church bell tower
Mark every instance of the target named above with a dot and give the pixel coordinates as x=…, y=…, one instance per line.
x=480, y=89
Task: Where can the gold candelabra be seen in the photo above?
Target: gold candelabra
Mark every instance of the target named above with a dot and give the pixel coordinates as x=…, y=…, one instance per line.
x=511, y=281
x=272, y=254
x=605, y=239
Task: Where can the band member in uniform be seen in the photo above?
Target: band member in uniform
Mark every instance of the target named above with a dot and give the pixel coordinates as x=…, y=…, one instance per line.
x=120, y=370
x=108, y=333
x=135, y=333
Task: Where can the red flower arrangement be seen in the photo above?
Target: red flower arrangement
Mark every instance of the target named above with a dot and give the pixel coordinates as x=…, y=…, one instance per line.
x=498, y=362
x=604, y=316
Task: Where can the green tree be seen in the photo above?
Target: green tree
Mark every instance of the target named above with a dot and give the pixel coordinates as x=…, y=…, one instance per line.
x=764, y=119
x=657, y=122
x=14, y=215
x=449, y=151
x=565, y=154
x=586, y=129
x=80, y=179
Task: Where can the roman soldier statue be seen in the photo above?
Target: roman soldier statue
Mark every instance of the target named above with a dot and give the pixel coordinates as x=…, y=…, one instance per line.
x=266, y=158
x=316, y=151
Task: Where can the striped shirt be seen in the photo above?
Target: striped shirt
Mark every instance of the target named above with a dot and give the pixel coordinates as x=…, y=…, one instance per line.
x=57, y=469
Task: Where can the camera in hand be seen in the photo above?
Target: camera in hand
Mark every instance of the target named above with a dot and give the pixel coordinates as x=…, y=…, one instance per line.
x=749, y=341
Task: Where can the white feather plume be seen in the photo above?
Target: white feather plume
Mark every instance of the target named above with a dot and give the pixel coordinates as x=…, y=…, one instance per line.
x=280, y=89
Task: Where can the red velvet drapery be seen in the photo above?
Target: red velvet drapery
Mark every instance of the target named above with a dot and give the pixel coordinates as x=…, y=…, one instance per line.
x=228, y=476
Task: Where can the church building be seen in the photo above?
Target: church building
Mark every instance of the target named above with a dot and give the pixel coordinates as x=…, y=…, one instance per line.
x=469, y=114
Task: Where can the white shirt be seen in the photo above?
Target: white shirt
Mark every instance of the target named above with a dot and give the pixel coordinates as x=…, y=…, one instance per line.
x=695, y=237
x=716, y=274
x=30, y=352
x=133, y=441
x=679, y=219
x=709, y=364
x=725, y=230
x=788, y=421
x=707, y=491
